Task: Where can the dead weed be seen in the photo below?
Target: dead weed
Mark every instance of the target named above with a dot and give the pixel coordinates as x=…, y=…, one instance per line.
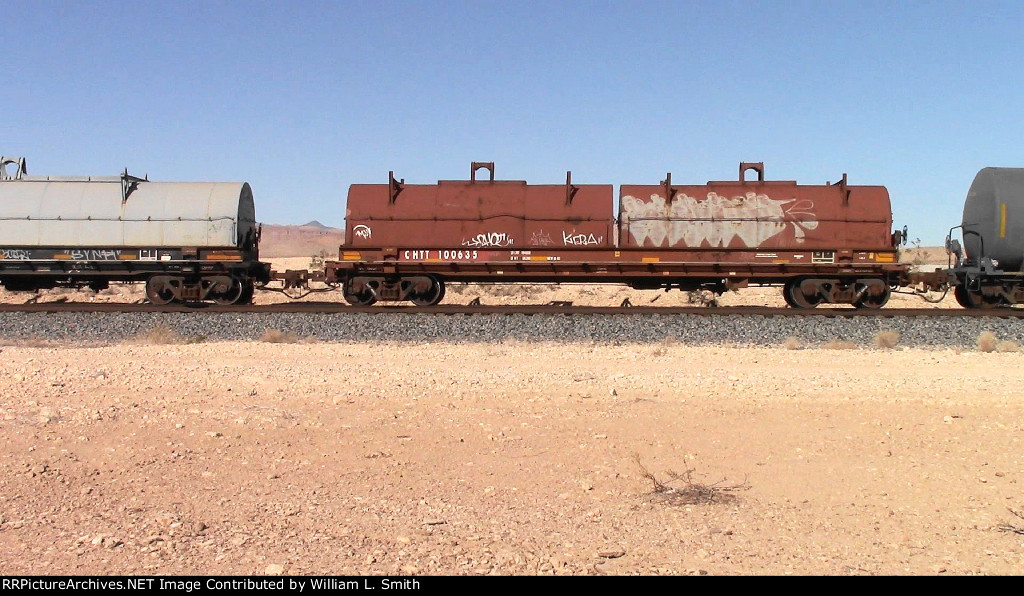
x=887, y=339
x=1016, y=529
x=276, y=336
x=159, y=335
x=987, y=341
x=681, y=489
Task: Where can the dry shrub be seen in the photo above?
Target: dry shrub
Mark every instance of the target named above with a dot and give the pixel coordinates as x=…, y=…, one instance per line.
x=840, y=344
x=987, y=341
x=1015, y=528
x=1008, y=346
x=680, y=489
x=276, y=336
x=792, y=343
x=159, y=335
x=887, y=339
x=702, y=298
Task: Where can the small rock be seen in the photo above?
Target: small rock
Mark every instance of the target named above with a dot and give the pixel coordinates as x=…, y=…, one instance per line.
x=47, y=415
x=611, y=554
x=274, y=569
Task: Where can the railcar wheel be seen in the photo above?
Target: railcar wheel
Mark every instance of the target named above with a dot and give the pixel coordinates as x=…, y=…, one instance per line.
x=248, y=291
x=158, y=293
x=364, y=298
x=796, y=298
x=432, y=296
x=869, y=301
x=787, y=297
x=970, y=299
x=232, y=296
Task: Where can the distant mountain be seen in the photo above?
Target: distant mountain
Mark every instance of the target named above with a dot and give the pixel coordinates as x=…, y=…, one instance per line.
x=316, y=224
x=300, y=241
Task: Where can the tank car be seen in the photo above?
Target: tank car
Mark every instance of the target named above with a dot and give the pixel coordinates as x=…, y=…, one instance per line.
x=823, y=243
x=989, y=265
x=187, y=241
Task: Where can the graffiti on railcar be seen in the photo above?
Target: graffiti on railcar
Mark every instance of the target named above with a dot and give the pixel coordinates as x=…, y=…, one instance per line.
x=490, y=240
x=15, y=254
x=574, y=239
x=541, y=238
x=89, y=254
x=362, y=231
x=717, y=220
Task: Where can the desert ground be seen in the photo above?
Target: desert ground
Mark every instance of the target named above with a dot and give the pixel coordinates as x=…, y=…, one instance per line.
x=157, y=456
x=510, y=458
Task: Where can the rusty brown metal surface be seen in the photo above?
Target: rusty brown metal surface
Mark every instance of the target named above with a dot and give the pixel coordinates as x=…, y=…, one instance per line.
x=831, y=242
x=756, y=214
x=479, y=214
x=610, y=265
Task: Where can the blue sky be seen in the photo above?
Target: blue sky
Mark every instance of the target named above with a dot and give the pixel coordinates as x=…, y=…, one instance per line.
x=303, y=98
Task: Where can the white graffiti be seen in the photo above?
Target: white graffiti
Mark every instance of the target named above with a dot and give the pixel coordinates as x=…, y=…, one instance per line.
x=715, y=221
x=574, y=239
x=15, y=254
x=84, y=254
x=362, y=231
x=491, y=239
x=541, y=238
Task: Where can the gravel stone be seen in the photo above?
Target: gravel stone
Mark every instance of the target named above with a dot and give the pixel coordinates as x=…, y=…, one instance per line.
x=739, y=330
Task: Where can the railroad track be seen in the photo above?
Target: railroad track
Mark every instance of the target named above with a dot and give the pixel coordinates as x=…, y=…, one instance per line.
x=531, y=309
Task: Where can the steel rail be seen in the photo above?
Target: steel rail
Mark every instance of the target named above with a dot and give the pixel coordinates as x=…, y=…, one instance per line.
x=531, y=309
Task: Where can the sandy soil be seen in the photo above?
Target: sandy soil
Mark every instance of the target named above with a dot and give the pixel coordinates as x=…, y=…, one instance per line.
x=508, y=459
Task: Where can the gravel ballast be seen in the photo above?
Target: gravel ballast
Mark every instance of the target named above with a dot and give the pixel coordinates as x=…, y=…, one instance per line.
x=626, y=328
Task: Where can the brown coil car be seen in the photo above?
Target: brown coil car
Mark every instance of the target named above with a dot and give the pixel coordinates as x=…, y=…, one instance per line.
x=823, y=243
